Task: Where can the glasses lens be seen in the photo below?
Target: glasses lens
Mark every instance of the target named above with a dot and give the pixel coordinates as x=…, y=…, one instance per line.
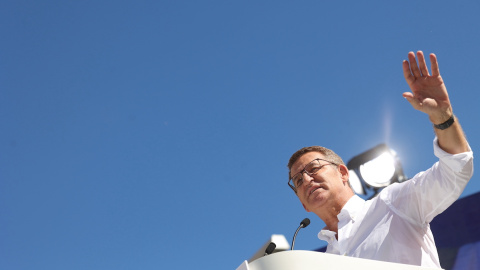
x=313, y=167
x=297, y=180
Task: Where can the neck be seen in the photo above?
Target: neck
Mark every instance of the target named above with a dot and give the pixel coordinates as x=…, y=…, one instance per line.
x=330, y=212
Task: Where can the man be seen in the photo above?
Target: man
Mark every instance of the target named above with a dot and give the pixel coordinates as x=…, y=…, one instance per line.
x=393, y=226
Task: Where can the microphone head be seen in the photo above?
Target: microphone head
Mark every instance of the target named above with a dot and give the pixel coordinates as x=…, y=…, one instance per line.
x=305, y=222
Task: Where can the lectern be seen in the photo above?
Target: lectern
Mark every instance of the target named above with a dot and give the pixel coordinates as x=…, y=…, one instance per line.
x=310, y=260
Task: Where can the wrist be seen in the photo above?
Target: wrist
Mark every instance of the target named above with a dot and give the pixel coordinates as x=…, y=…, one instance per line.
x=446, y=124
x=441, y=116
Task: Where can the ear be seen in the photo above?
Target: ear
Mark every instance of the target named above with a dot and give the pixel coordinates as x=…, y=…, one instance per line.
x=344, y=172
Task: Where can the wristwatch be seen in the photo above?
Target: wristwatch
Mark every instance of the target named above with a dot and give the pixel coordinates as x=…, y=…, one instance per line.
x=446, y=124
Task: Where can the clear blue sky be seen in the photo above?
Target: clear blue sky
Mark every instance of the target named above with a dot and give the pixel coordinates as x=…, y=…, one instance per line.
x=155, y=134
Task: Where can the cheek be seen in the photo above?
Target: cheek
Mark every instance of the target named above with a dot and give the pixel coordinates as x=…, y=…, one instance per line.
x=302, y=197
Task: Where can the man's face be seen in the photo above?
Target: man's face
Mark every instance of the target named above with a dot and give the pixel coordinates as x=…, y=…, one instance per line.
x=327, y=184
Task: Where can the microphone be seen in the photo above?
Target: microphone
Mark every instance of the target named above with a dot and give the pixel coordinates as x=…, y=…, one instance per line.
x=305, y=222
x=271, y=247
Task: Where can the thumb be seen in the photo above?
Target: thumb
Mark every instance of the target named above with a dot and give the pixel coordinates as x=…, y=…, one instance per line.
x=412, y=100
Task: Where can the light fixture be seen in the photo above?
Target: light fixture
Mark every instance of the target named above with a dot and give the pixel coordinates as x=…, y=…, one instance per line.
x=375, y=169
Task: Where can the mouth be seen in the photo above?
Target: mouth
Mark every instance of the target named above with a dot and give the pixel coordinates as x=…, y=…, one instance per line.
x=313, y=190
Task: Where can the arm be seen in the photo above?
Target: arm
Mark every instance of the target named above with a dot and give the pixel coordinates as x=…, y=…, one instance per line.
x=429, y=95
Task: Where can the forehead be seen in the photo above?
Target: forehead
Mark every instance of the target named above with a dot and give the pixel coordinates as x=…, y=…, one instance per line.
x=303, y=160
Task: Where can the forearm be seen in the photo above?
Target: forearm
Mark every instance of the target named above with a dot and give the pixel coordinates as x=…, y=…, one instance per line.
x=452, y=139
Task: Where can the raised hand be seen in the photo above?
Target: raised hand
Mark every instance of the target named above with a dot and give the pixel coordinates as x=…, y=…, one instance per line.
x=429, y=93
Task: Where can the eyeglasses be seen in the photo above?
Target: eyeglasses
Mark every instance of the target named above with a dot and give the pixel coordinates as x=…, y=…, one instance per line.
x=311, y=168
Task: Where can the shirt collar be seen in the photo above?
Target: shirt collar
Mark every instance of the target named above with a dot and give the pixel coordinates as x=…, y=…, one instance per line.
x=351, y=208
x=327, y=235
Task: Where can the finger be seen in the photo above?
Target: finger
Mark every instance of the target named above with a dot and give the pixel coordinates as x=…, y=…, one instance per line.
x=413, y=65
x=406, y=72
x=435, y=69
x=422, y=64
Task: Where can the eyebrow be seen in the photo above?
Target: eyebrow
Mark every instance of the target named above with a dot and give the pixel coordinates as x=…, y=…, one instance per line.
x=303, y=167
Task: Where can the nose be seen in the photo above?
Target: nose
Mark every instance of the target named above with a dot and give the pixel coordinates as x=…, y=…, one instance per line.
x=307, y=178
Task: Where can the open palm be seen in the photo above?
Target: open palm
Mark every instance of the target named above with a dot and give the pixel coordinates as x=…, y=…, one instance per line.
x=429, y=93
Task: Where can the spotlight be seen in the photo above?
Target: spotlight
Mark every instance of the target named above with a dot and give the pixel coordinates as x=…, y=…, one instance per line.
x=375, y=169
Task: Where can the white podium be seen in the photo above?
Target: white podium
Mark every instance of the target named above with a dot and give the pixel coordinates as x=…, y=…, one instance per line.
x=309, y=260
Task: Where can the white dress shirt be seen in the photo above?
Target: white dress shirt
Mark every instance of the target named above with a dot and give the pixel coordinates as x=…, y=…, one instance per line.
x=394, y=226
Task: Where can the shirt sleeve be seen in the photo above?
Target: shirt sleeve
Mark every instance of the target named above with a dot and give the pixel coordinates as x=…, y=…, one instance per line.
x=429, y=193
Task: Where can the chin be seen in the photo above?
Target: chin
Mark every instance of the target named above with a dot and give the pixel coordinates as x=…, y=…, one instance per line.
x=317, y=201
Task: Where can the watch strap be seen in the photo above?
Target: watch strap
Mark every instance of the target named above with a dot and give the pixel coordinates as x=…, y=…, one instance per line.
x=446, y=124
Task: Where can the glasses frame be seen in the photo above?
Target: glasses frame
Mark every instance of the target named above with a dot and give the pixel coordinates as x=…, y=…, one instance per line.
x=308, y=173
